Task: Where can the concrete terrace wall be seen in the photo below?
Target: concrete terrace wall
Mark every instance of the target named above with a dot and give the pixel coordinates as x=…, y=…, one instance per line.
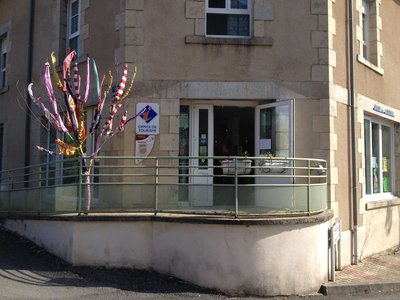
x=236, y=256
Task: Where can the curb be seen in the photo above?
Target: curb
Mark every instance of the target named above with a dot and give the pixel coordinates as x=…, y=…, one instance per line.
x=332, y=289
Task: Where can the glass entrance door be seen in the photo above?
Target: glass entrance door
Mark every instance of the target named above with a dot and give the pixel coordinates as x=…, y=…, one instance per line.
x=274, y=129
x=274, y=137
x=202, y=173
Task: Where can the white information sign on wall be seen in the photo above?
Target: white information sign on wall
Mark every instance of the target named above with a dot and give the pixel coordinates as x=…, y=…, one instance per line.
x=148, y=120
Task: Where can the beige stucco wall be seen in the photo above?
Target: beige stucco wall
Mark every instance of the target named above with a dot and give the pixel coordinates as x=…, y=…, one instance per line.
x=236, y=259
x=343, y=160
x=167, y=57
x=377, y=228
x=340, y=73
x=12, y=108
x=384, y=88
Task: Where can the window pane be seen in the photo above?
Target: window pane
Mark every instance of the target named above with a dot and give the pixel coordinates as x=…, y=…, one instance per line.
x=216, y=24
x=3, y=61
x=74, y=8
x=74, y=25
x=3, y=46
x=73, y=44
x=184, y=143
x=1, y=147
x=386, y=162
x=3, y=79
x=241, y=4
x=367, y=146
x=203, y=136
x=225, y=24
x=375, y=158
x=238, y=25
x=216, y=3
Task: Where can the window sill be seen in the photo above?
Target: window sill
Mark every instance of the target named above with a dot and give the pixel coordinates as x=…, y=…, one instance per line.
x=370, y=65
x=4, y=90
x=196, y=39
x=370, y=205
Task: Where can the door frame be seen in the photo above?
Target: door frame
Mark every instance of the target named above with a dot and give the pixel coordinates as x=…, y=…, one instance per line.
x=205, y=192
x=289, y=102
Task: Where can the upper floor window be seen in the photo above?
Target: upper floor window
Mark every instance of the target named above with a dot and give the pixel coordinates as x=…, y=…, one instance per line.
x=73, y=25
x=379, y=157
x=230, y=18
x=370, y=29
x=365, y=15
x=3, y=62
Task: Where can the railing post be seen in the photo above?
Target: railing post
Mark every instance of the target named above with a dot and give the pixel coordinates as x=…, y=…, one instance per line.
x=308, y=186
x=236, y=190
x=156, y=189
x=79, y=208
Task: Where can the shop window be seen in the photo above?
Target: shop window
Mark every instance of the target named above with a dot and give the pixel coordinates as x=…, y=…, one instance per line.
x=228, y=18
x=379, y=158
x=3, y=62
x=73, y=25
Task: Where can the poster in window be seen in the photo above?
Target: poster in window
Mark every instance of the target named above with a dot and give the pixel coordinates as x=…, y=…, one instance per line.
x=143, y=147
x=385, y=164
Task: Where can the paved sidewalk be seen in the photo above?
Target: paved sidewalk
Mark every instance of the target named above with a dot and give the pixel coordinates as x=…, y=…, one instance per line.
x=378, y=273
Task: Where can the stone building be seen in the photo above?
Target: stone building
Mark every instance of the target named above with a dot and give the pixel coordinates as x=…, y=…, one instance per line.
x=257, y=76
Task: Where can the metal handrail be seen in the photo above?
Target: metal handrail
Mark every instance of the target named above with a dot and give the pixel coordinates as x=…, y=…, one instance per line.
x=173, y=185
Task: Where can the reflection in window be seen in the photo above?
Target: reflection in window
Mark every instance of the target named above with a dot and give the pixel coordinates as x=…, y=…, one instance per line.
x=228, y=18
x=275, y=130
x=184, y=143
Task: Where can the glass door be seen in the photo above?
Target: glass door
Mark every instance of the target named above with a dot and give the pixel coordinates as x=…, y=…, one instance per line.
x=274, y=138
x=274, y=129
x=203, y=139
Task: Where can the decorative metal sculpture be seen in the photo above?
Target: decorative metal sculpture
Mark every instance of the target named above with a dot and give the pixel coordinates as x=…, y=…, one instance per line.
x=74, y=126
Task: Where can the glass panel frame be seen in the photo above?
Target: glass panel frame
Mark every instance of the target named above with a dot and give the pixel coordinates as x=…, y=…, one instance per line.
x=378, y=158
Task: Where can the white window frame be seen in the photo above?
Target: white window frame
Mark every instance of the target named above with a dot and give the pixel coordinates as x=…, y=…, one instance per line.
x=3, y=70
x=230, y=11
x=365, y=14
x=381, y=195
x=77, y=33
